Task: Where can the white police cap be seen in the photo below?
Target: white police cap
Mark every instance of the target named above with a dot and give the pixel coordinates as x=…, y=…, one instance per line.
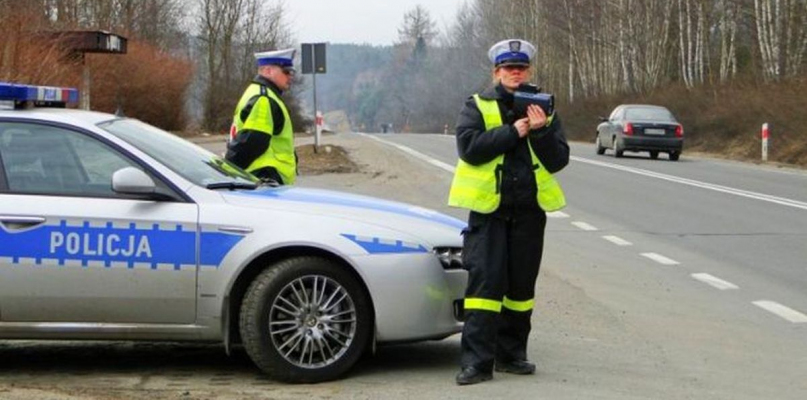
x=282, y=58
x=511, y=52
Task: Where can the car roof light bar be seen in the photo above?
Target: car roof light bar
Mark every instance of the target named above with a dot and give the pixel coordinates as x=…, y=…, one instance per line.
x=39, y=96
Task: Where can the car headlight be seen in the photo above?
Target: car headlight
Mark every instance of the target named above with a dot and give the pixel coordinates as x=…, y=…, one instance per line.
x=450, y=257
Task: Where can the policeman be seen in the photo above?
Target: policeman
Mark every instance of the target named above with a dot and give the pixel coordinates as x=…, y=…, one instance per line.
x=261, y=136
x=504, y=177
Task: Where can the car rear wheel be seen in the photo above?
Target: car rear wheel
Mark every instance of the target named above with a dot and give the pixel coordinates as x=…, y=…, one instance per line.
x=654, y=154
x=305, y=319
x=617, y=149
x=674, y=155
x=600, y=149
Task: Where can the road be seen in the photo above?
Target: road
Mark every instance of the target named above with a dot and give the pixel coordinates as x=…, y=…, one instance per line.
x=682, y=279
x=663, y=280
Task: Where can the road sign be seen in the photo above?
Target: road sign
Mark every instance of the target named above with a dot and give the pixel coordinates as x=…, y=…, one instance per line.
x=314, y=59
x=314, y=63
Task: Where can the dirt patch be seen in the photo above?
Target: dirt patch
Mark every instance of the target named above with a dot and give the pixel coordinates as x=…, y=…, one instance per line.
x=328, y=159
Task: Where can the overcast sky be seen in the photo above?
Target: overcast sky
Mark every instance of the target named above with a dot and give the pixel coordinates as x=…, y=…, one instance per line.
x=360, y=21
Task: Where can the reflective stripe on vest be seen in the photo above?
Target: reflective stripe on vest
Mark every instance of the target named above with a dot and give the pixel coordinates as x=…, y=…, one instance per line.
x=520, y=306
x=280, y=154
x=472, y=303
x=476, y=187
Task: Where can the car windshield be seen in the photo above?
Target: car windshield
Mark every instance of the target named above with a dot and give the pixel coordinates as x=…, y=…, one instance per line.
x=649, y=114
x=186, y=159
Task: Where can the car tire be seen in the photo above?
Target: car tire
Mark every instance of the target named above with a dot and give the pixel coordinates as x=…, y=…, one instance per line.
x=618, y=152
x=654, y=154
x=320, y=317
x=674, y=155
x=600, y=149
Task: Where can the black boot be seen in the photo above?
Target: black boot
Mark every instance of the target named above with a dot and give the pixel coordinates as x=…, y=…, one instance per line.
x=518, y=367
x=471, y=375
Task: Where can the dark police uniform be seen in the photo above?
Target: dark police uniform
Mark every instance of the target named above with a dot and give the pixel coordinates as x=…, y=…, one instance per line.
x=502, y=249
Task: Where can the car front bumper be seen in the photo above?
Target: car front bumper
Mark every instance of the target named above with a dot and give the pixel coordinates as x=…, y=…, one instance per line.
x=413, y=296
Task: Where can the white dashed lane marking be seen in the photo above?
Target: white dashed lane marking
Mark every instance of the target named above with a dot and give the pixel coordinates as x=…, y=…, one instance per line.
x=660, y=259
x=714, y=281
x=782, y=311
x=557, y=214
x=617, y=240
x=584, y=226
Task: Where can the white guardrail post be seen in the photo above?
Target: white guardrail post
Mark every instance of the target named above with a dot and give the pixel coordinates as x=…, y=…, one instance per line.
x=765, y=134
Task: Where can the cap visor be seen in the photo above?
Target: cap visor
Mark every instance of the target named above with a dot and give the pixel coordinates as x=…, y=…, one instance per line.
x=513, y=62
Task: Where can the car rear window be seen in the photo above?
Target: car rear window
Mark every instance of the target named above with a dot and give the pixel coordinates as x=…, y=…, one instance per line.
x=651, y=114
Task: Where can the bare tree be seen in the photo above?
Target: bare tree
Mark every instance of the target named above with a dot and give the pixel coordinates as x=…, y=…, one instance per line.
x=417, y=24
x=729, y=11
x=692, y=26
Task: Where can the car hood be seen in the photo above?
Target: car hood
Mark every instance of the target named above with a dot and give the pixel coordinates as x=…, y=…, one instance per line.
x=431, y=226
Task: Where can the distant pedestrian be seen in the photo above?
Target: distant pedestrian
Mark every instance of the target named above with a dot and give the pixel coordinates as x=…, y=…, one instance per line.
x=261, y=136
x=504, y=177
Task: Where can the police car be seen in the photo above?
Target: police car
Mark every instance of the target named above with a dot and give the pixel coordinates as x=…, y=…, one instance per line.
x=113, y=229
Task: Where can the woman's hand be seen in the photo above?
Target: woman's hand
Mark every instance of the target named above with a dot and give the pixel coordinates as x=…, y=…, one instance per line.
x=522, y=127
x=536, y=117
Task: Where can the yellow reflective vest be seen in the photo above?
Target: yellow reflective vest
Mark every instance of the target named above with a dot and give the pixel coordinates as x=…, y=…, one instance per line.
x=280, y=154
x=476, y=187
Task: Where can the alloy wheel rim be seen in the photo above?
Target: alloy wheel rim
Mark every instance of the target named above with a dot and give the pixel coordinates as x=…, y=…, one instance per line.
x=312, y=321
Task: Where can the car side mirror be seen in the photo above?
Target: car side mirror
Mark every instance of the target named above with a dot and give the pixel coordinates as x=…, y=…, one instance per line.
x=131, y=180
x=603, y=119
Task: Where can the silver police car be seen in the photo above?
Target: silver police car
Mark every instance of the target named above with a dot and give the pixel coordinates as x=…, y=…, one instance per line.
x=113, y=229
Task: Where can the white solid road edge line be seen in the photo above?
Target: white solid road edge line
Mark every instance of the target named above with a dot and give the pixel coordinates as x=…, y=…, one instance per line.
x=782, y=311
x=414, y=153
x=617, y=240
x=691, y=182
x=714, y=281
x=660, y=259
x=584, y=226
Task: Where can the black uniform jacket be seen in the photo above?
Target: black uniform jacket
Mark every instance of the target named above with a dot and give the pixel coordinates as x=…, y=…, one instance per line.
x=248, y=144
x=476, y=147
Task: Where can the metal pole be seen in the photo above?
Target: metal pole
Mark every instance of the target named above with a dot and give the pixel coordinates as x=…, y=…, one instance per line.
x=316, y=120
x=85, y=92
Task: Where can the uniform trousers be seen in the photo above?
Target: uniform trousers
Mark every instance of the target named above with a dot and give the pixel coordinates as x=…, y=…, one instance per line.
x=502, y=253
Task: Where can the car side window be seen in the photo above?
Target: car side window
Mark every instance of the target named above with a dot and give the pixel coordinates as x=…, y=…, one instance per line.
x=42, y=159
x=615, y=114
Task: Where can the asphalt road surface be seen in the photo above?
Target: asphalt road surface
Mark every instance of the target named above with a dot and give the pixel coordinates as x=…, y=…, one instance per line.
x=662, y=280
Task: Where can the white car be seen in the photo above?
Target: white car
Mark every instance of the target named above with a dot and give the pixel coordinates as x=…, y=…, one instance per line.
x=113, y=229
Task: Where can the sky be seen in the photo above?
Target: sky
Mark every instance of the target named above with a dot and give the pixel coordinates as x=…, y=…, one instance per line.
x=374, y=22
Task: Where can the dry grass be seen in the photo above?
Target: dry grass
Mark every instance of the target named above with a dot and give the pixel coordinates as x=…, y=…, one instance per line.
x=721, y=120
x=327, y=159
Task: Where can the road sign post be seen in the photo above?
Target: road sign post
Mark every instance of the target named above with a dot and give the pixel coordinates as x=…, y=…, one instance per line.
x=313, y=55
x=765, y=135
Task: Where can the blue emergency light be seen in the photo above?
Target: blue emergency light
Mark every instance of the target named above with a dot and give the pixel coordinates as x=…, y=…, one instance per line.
x=37, y=94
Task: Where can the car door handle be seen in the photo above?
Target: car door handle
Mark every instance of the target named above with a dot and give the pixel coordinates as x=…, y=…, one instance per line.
x=17, y=222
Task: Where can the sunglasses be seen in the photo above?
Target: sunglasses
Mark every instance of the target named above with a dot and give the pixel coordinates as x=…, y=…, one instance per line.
x=288, y=72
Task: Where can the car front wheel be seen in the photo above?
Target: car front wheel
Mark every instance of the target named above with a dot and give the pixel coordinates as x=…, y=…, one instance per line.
x=305, y=319
x=600, y=149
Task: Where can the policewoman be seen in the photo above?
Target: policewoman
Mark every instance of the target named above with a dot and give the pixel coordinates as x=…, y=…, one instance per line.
x=261, y=136
x=505, y=178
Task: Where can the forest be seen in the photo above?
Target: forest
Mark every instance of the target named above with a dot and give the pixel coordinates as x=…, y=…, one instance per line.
x=724, y=67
